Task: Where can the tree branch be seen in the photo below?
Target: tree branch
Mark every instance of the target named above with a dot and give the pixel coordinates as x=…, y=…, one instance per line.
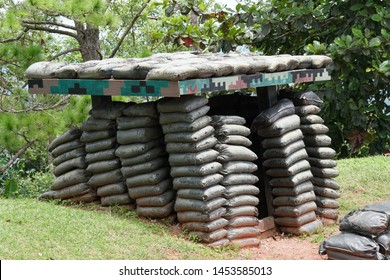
x=17, y=155
x=46, y=22
x=64, y=52
x=51, y=30
x=144, y=5
x=58, y=104
x=12, y=39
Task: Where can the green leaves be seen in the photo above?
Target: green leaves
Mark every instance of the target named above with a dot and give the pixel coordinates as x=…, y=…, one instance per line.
x=375, y=42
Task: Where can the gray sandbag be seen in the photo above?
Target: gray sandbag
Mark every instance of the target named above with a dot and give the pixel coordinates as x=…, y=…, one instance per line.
x=282, y=141
x=312, y=119
x=148, y=178
x=70, y=178
x=320, y=140
x=305, y=98
x=292, y=170
x=172, y=73
x=324, y=172
x=155, y=212
x=239, y=179
x=185, y=103
x=197, y=182
x=204, y=144
x=314, y=129
x=92, y=124
x=205, y=227
x=246, y=242
x=189, y=137
x=352, y=245
x=136, y=122
x=69, y=165
x=321, y=152
x=286, y=162
x=235, y=140
x=132, y=150
x=327, y=213
x=150, y=190
x=232, y=129
x=142, y=168
x=323, y=163
x=242, y=200
x=93, y=136
x=68, y=136
x=295, y=211
x=291, y=181
x=210, y=237
x=196, y=170
x=384, y=243
x=236, y=190
x=296, y=221
x=219, y=120
x=69, y=155
x=157, y=200
x=137, y=135
x=246, y=210
x=325, y=202
x=243, y=232
x=283, y=151
x=202, y=194
x=307, y=110
x=185, y=126
x=168, y=118
x=146, y=109
x=293, y=191
x=186, y=204
x=243, y=221
x=149, y=155
x=85, y=198
x=43, y=69
x=380, y=207
x=294, y=200
x=103, y=166
x=71, y=191
x=196, y=216
x=104, y=155
x=280, y=127
x=284, y=107
x=326, y=192
x=116, y=199
x=325, y=182
x=100, y=145
x=66, y=147
x=308, y=228
x=193, y=158
x=112, y=189
x=336, y=255
x=108, y=111
x=368, y=223
x=106, y=178
x=238, y=167
x=234, y=153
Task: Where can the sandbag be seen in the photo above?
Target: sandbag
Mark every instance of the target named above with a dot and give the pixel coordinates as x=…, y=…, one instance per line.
x=202, y=194
x=197, y=182
x=157, y=200
x=189, y=137
x=242, y=200
x=147, y=156
x=186, y=204
x=246, y=242
x=311, y=119
x=186, y=127
x=384, y=242
x=292, y=170
x=282, y=141
x=193, y=158
x=308, y=228
x=69, y=155
x=150, y=190
x=116, y=199
x=219, y=120
x=284, y=151
x=314, y=129
x=104, y=155
x=85, y=198
x=172, y=73
x=168, y=118
x=142, y=168
x=183, y=104
x=326, y=192
x=196, y=170
x=232, y=129
x=136, y=135
x=235, y=190
x=238, y=167
x=210, y=237
x=247, y=210
x=234, y=153
x=321, y=152
x=319, y=140
x=380, y=207
x=323, y=163
x=204, y=144
x=132, y=150
x=239, y=179
x=103, y=166
x=296, y=221
x=196, y=216
x=68, y=136
x=325, y=182
x=304, y=98
x=325, y=202
x=327, y=213
x=100, y=145
x=69, y=165
x=368, y=223
x=155, y=212
x=106, y=178
x=280, y=127
x=146, y=109
x=295, y=211
x=148, y=178
x=70, y=178
x=71, y=191
x=224, y=242
x=294, y=200
x=206, y=227
x=242, y=232
x=293, y=191
x=108, y=111
x=136, y=122
x=235, y=140
x=291, y=181
x=93, y=136
x=92, y=124
x=243, y=221
x=307, y=110
x=286, y=162
x=112, y=189
x=66, y=147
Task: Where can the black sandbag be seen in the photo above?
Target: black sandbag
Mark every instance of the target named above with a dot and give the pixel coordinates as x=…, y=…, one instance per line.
x=70, y=178
x=104, y=155
x=206, y=227
x=92, y=124
x=219, y=120
x=157, y=200
x=325, y=182
x=325, y=202
x=238, y=167
x=294, y=200
x=187, y=127
x=306, y=110
x=116, y=199
x=283, y=108
x=308, y=228
x=183, y=104
x=132, y=150
x=202, y=194
x=197, y=182
x=327, y=213
x=197, y=216
x=108, y=111
x=93, y=136
x=103, y=166
x=321, y=152
x=193, y=158
x=146, y=109
x=106, y=178
x=142, y=168
x=85, y=198
x=380, y=207
x=242, y=200
x=239, y=179
x=235, y=190
x=150, y=190
x=293, y=191
x=280, y=127
x=100, y=145
x=292, y=170
x=189, y=137
x=232, y=129
x=283, y=151
x=155, y=212
x=168, y=118
x=196, y=170
x=192, y=147
x=136, y=122
x=148, y=178
x=137, y=135
x=324, y=163
x=291, y=181
x=112, y=189
x=368, y=223
x=243, y=221
x=351, y=244
x=243, y=232
x=210, y=237
x=303, y=98
x=234, y=153
x=319, y=140
x=282, y=141
x=296, y=221
x=384, y=242
x=311, y=119
x=68, y=136
x=326, y=192
x=235, y=140
x=149, y=155
x=71, y=191
x=69, y=165
x=66, y=147
x=69, y=155
x=295, y=211
x=186, y=204
x=247, y=210
x=286, y=162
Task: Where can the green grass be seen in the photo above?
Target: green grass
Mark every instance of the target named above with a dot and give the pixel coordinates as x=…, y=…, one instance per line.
x=31, y=229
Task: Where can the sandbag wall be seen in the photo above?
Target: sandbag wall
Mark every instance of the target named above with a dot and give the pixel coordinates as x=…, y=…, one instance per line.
x=241, y=193
x=69, y=162
x=144, y=160
x=286, y=163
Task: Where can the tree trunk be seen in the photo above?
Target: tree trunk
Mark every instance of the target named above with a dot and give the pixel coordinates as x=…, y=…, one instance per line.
x=88, y=38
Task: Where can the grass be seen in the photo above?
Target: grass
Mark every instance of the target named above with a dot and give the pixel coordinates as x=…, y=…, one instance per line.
x=31, y=229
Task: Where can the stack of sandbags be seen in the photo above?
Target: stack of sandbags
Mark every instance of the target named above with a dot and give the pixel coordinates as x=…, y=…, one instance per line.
x=286, y=164
x=241, y=192
x=317, y=144
x=144, y=161
x=365, y=235
x=69, y=162
x=190, y=141
x=99, y=136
